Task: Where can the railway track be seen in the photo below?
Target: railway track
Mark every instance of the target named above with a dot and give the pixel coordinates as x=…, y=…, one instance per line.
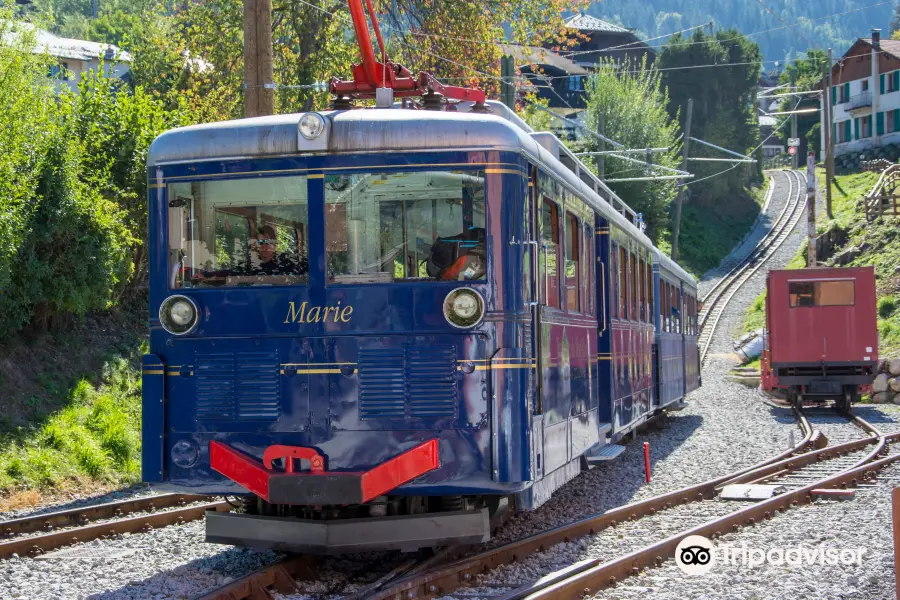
x=36, y=535
x=450, y=571
x=812, y=468
x=715, y=301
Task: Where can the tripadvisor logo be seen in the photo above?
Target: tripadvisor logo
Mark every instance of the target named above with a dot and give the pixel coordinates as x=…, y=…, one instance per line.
x=696, y=555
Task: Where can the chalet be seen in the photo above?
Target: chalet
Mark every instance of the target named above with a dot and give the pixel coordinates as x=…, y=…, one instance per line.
x=865, y=96
x=72, y=58
x=560, y=75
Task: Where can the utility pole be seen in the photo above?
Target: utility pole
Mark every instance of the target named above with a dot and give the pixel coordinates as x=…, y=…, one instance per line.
x=796, y=157
x=601, y=161
x=507, y=89
x=679, y=199
x=258, y=71
x=829, y=139
x=94, y=8
x=811, y=208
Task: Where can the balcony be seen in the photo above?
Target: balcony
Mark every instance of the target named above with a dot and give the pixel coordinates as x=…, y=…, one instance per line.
x=860, y=102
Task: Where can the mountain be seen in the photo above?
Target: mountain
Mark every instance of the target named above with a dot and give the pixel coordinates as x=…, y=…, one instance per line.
x=814, y=22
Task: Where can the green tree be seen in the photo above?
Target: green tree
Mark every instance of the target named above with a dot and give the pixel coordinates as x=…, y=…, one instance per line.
x=632, y=102
x=807, y=72
x=724, y=103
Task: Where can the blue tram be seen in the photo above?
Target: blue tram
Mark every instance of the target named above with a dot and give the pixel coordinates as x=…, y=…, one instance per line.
x=383, y=327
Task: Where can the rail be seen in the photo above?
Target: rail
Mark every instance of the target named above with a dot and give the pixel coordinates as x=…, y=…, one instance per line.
x=441, y=579
x=79, y=525
x=882, y=199
x=715, y=301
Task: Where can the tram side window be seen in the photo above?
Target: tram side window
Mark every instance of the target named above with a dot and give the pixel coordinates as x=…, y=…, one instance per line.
x=635, y=291
x=573, y=268
x=238, y=232
x=550, y=251
x=588, y=265
x=407, y=226
x=640, y=274
x=623, y=282
x=649, y=284
x=667, y=310
x=676, y=313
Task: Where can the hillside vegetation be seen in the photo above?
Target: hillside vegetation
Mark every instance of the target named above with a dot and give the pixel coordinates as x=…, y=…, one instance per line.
x=653, y=18
x=857, y=243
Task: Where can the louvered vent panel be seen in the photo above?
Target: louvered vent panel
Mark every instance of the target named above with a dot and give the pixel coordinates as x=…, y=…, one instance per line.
x=257, y=385
x=243, y=385
x=215, y=386
x=431, y=381
x=382, y=393
x=406, y=383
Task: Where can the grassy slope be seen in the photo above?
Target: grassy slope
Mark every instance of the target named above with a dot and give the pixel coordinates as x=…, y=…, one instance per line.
x=71, y=408
x=709, y=230
x=880, y=246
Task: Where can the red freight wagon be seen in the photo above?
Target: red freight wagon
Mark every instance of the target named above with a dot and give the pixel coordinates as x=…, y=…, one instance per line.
x=822, y=333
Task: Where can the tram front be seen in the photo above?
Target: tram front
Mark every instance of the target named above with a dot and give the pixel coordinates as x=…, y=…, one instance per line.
x=327, y=295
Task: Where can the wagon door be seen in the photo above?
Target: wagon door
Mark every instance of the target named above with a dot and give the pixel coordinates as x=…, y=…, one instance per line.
x=549, y=332
x=604, y=330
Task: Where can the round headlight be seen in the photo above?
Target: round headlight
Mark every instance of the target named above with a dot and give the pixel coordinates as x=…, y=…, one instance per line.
x=464, y=308
x=312, y=125
x=178, y=315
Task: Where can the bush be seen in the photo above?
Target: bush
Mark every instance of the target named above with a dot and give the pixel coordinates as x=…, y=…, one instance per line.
x=886, y=306
x=65, y=246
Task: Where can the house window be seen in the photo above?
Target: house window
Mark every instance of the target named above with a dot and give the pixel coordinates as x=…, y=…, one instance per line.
x=893, y=81
x=59, y=71
x=893, y=120
x=865, y=127
x=576, y=83
x=845, y=93
x=865, y=85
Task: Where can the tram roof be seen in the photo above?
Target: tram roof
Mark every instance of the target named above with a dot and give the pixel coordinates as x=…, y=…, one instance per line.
x=674, y=268
x=391, y=130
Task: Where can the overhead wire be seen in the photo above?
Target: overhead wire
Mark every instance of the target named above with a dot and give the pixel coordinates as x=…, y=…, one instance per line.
x=736, y=165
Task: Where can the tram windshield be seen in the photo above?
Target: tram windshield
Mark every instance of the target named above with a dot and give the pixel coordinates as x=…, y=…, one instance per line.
x=238, y=232
x=421, y=226
x=379, y=228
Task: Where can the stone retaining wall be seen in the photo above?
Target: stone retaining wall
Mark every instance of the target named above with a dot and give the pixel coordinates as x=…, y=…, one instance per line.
x=886, y=387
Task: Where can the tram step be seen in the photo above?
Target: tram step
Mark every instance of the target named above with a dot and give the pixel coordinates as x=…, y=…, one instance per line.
x=603, y=453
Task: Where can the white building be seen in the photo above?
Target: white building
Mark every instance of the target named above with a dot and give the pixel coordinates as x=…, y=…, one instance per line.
x=76, y=57
x=865, y=96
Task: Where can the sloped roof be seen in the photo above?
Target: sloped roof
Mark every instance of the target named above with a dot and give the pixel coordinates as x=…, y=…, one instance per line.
x=584, y=22
x=534, y=55
x=891, y=47
x=61, y=47
x=78, y=49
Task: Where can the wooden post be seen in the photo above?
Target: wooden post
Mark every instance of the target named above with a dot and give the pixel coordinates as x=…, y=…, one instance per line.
x=258, y=71
x=796, y=157
x=679, y=199
x=829, y=144
x=601, y=161
x=895, y=510
x=264, y=70
x=251, y=92
x=811, y=208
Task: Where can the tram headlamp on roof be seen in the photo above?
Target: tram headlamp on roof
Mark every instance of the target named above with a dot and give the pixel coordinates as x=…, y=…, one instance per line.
x=179, y=315
x=464, y=308
x=311, y=125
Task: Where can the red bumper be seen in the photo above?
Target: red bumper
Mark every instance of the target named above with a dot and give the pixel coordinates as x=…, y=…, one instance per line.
x=318, y=486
